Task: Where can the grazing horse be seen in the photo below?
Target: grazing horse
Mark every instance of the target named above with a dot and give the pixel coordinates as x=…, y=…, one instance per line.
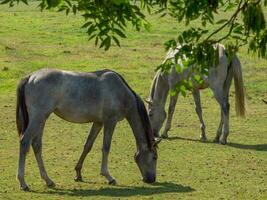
x=101, y=97
x=218, y=80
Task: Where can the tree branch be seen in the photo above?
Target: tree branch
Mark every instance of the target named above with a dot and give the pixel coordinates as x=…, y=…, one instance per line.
x=239, y=8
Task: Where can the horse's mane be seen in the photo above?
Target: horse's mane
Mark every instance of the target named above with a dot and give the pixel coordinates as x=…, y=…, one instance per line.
x=152, y=89
x=142, y=113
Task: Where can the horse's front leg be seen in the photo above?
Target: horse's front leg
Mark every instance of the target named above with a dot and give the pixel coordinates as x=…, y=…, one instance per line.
x=96, y=127
x=196, y=95
x=108, y=132
x=173, y=101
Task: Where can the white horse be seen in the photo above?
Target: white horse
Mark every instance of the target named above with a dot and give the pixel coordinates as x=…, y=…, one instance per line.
x=101, y=97
x=218, y=80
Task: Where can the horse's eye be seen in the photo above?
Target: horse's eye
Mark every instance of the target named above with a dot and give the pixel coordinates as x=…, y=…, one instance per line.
x=150, y=114
x=155, y=157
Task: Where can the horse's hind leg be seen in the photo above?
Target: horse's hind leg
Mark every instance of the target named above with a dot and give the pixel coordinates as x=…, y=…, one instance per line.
x=24, y=148
x=219, y=130
x=33, y=131
x=108, y=132
x=196, y=95
x=96, y=127
x=225, y=109
x=173, y=101
x=37, y=149
x=225, y=106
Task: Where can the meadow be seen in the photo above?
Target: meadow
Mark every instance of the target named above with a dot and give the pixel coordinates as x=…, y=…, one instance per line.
x=187, y=168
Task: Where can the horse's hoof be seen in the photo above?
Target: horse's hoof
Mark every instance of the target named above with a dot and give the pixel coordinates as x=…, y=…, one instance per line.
x=216, y=140
x=112, y=182
x=78, y=179
x=25, y=188
x=164, y=136
x=51, y=185
x=223, y=142
x=203, y=139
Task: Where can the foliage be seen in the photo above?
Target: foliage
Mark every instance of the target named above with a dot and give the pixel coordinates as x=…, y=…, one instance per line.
x=106, y=22
x=187, y=168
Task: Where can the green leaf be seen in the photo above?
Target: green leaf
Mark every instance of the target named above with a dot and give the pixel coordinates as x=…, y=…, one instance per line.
x=118, y=2
x=178, y=68
x=92, y=36
x=119, y=32
x=238, y=29
x=106, y=43
x=5, y=1
x=74, y=9
x=116, y=41
x=183, y=90
x=86, y=24
x=53, y=3
x=197, y=77
x=222, y=21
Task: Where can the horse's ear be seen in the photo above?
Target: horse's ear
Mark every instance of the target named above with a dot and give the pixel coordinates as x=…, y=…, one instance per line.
x=148, y=101
x=157, y=141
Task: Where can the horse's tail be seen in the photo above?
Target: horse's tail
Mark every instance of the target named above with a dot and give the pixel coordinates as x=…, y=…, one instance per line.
x=22, y=117
x=239, y=87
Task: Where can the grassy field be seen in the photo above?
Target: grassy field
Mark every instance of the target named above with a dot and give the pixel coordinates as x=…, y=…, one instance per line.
x=187, y=168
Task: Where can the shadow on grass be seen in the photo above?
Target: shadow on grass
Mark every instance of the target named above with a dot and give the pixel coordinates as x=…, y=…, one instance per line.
x=257, y=147
x=187, y=139
x=123, y=191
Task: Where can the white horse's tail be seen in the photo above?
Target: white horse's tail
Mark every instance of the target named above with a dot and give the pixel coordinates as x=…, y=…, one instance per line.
x=239, y=87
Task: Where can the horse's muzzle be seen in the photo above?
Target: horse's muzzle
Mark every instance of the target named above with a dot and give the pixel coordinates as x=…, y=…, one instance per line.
x=149, y=179
x=155, y=133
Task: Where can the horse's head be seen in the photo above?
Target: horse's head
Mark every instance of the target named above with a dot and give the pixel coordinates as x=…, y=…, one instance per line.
x=157, y=116
x=147, y=163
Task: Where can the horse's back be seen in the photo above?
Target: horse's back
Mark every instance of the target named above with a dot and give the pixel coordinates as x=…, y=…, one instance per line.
x=216, y=77
x=78, y=96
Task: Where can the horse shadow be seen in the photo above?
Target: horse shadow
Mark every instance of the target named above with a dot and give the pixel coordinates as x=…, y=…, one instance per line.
x=256, y=147
x=122, y=191
x=186, y=139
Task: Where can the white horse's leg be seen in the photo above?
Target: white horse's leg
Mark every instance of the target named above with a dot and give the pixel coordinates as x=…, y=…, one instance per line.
x=225, y=106
x=96, y=127
x=225, y=109
x=196, y=95
x=173, y=101
x=108, y=132
x=37, y=149
x=219, y=130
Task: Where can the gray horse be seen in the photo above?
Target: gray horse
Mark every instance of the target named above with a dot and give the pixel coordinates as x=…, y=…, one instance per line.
x=219, y=80
x=101, y=97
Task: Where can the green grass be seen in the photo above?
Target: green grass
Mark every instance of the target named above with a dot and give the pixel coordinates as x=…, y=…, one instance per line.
x=187, y=169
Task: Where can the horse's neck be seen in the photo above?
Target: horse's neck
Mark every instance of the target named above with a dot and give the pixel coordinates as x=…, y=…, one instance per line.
x=160, y=90
x=138, y=130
